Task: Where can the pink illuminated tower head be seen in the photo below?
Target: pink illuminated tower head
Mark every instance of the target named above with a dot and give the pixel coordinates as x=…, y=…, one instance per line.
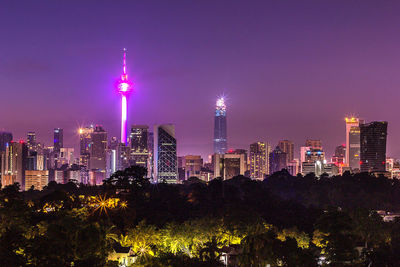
x=124, y=85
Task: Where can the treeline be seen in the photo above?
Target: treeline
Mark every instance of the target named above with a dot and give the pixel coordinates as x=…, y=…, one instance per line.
x=282, y=221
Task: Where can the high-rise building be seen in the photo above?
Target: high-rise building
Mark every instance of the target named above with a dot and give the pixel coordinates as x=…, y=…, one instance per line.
x=287, y=147
x=37, y=179
x=13, y=165
x=5, y=138
x=352, y=157
x=229, y=165
x=258, y=160
x=98, y=149
x=165, y=153
x=314, y=143
x=293, y=167
x=150, y=145
x=192, y=166
x=66, y=156
x=373, y=146
x=220, y=132
x=315, y=162
x=58, y=139
x=339, y=156
x=31, y=140
x=124, y=88
x=139, y=145
x=277, y=160
x=85, y=143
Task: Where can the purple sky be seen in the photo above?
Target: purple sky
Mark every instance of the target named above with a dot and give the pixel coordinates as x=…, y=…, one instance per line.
x=290, y=69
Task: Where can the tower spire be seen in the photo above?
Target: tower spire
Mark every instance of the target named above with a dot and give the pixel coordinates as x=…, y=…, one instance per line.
x=124, y=76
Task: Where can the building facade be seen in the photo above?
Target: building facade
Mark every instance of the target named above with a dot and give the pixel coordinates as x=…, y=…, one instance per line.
x=220, y=131
x=287, y=147
x=277, y=160
x=139, y=145
x=165, y=154
x=373, y=138
x=228, y=166
x=258, y=160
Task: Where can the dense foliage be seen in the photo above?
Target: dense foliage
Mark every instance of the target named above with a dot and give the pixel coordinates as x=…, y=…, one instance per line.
x=282, y=221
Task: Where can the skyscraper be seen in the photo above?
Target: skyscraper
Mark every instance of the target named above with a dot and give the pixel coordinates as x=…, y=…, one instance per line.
x=287, y=147
x=220, y=133
x=192, y=166
x=258, y=160
x=124, y=88
x=340, y=153
x=98, y=149
x=277, y=160
x=352, y=158
x=139, y=145
x=373, y=146
x=13, y=164
x=31, y=140
x=37, y=179
x=165, y=153
x=229, y=165
x=58, y=139
x=5, y=138
x=85, y=143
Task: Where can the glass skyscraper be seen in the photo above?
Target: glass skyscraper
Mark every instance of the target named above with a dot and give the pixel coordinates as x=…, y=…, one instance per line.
x=165, y=153
x=58, y=139
x=373, y=146
x=220, y=136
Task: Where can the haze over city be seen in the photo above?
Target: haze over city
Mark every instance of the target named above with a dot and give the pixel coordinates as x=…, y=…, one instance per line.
x=289, y=70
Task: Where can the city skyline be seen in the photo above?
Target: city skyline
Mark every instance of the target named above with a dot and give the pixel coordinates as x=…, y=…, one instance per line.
x=69, y=84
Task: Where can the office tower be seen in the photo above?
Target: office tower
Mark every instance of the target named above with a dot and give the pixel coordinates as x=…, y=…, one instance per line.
x=352, y=157
x=315, y=144
x=5, y=138
x=165, y=153
x=373, y=146
x=277, y=160
x=85, y=142
x=293, y=167
x=111, y=162
x=339, y=156
x=124, y=88
x=66, y=156
x=287, y=147
x=314, y=161
x=228, y=166
x=37, y=179
x=150, y=159
x=258, y=160
x=31, y=140
x=220, y=133
x=58, y=139
x=303, y=151
x=192, y=166
x=98, y=149
x=139, y=145
x=13, y=164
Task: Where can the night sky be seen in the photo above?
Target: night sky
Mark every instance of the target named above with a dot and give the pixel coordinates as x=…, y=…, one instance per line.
x=290, y=69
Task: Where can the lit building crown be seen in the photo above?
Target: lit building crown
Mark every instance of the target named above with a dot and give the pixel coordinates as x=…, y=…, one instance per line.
x=220, y=106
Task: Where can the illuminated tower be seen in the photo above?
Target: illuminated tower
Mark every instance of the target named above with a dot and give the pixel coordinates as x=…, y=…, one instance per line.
x=220, y=137
x=352, y=157
x=124, y=88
